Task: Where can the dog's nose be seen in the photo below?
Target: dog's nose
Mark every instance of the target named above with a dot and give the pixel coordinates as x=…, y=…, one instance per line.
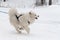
x=38, y=16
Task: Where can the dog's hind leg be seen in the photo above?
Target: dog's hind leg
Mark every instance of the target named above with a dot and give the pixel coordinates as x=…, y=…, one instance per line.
x=17, y=29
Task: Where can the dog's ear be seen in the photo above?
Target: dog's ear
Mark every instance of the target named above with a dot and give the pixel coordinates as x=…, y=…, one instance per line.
x=30, y=13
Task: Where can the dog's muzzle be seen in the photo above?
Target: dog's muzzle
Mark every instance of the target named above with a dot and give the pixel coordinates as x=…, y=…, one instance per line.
x=37, y=17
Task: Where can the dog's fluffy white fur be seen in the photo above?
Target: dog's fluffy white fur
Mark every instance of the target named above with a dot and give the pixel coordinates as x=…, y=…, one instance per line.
x=23, y=21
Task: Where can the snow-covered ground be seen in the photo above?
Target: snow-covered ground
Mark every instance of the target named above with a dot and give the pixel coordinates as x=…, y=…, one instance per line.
x=47, y=27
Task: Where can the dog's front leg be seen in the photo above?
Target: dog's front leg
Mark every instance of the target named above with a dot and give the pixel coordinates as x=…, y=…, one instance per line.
x=27, y=29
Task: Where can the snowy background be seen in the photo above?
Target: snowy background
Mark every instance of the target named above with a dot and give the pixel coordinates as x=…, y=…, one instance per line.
x=47, y=27
x=25, y=3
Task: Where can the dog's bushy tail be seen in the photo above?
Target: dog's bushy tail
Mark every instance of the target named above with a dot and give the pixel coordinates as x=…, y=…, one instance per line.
x=12, y=11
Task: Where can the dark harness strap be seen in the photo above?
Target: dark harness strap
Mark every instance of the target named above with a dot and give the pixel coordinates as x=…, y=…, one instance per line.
x=18, y=16
x=28, y=22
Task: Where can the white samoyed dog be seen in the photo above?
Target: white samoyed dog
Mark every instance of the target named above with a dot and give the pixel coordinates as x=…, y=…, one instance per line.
x=21, y=21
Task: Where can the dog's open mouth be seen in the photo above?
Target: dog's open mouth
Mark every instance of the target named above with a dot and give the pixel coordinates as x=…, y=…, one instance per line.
x=36, y=18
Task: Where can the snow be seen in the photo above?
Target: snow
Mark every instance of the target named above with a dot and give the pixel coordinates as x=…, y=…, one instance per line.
x=19, y=3
x=47, y=27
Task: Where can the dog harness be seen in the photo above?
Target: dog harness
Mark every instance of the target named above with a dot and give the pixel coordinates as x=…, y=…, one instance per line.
x=28, y=22
x=18, y=16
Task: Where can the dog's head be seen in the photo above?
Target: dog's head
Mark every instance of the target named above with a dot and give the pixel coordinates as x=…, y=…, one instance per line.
x=33, y=15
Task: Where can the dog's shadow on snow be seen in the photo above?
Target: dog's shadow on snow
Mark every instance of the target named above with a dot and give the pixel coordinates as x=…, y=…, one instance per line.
x=16, y=33
x=24, y=34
